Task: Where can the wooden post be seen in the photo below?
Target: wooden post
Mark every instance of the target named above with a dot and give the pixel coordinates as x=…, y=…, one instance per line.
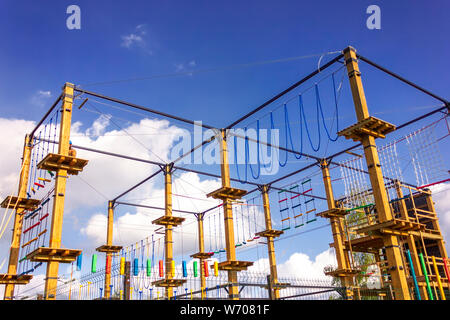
x=60, y=190
x=168, y=240
x=233, y=291
x=18, y=218
x=109, y=240
x=270, y=244
x=337, y=230
x=127, y=281
x=201, y=248
x=391, y=242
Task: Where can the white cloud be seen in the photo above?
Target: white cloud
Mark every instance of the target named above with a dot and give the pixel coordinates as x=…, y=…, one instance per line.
x=40, y=98
x=441, y=198
x=136, y=39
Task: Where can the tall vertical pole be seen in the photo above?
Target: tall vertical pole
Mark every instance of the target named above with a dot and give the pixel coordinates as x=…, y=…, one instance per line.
x=168, y=240
x=201, y=249
x=233, y=292
x=127, y=281
x=51, y=279
x=109, y=240
x=18, y=218
x=337, y=230
x=391, y=243
x=270, y=244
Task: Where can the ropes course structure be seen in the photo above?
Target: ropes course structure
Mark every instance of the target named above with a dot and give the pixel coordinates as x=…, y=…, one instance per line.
x=385, y=231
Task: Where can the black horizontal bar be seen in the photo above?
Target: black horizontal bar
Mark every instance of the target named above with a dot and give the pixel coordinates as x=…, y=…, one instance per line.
x=151, y=207
x=402, y=79
x=126, y=103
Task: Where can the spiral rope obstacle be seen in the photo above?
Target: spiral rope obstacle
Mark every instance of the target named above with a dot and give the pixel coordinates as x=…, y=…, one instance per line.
x=401, y=231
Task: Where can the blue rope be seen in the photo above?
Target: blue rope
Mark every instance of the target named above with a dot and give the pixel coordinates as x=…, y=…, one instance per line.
x=302, y=110
x=288, y=130
x=321, y=112
x=247, y=152
x=272, y=127
x=237, y=165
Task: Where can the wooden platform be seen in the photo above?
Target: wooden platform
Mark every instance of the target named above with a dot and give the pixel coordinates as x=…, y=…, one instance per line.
x=369, y=244
x=372, y=126
x=392, y=226
x=270, y=233
x=22, y=203
x=333, y=213
x=227, y=193
x=45, y=254
x=109, y=249
x=54, y=162
x=234, y=265
x=168, y=221
x=166, y=283
x=202, y=255
x=343, y=272
x=15, y=279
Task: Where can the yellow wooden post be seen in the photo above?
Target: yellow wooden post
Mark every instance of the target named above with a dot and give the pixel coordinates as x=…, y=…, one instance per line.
x=338, y=232
x=18, y=218
x=60, y=190
x=168, y=240
x=270, y=243
x=201, y=248
x=109, y=239
x=391, y=242
x=228, y=217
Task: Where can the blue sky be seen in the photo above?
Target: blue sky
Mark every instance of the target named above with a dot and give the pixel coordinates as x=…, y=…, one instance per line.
x=134, y=39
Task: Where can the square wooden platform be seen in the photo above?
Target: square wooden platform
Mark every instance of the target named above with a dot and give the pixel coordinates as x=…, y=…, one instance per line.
x=168, y=221
x=45, y=254
x=394, y=225
x=343, y=272
x=22, y=203
x=166, y=283
x=234, y=265
x=372, y=126
x=365, y=244
x=333, y=213
x=270, y=233
x=109, y=249
x=202, y=255
x=15, y=279
x=227, y=193
x=54, y=162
